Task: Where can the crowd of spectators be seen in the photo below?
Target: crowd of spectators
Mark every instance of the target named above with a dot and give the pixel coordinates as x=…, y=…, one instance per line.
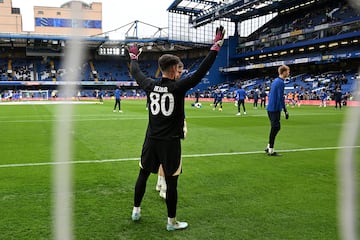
x=305, y=86
x=331, y=12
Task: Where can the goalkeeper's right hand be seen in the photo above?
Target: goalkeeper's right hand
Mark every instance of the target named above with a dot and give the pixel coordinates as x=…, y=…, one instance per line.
x=134, y=52
x=219, y=38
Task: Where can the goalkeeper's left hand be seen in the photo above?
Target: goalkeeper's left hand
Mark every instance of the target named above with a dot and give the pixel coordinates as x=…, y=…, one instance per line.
x=185, y=129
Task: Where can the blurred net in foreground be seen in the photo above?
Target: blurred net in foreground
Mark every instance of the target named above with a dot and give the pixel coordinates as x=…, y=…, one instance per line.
x=63, y=144
x=347, y=167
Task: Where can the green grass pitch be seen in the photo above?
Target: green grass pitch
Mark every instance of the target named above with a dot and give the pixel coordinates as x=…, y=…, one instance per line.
x=229, y=188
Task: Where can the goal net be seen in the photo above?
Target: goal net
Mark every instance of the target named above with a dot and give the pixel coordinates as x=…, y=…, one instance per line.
x=34, y=95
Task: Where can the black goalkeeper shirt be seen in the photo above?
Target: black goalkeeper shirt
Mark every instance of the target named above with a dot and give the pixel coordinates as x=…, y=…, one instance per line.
x=166, y=99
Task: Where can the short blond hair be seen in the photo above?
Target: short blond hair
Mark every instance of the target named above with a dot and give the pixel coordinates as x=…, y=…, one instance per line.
x=282, y=69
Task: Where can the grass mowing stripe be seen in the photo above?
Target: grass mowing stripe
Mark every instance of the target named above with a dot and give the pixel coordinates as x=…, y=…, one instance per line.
x=291, y=197
x=184, y=156
x=120, y=118
x=74, y=120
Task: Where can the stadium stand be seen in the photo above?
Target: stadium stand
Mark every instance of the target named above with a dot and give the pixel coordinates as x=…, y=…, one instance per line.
x=319, y=39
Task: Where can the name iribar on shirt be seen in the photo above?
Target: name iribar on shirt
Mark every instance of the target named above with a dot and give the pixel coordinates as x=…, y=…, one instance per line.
x=160, y=89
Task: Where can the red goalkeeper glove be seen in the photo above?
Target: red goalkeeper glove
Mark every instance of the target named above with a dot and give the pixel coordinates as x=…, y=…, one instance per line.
x=219, y=39
x=134, y=52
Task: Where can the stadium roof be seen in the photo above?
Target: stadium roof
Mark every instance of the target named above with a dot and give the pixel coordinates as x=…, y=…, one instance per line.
x=191, y=7
x=203, y=12
x=53, y=45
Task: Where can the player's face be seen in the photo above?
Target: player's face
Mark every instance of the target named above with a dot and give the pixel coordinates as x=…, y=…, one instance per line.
x=179, y=72
x=287, y=73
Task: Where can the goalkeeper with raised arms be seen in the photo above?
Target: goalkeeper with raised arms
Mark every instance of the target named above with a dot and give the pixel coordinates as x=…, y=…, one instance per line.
x=166, y=124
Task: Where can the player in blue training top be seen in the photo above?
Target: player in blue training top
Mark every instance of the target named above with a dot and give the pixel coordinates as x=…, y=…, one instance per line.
x=323, y=98
x=218, y=96
x=240, y=97
x=117, y=99
x=276, y=104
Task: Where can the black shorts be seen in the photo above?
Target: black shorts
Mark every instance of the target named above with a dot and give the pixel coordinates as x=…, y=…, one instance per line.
x=165, y=152
x=274, y=119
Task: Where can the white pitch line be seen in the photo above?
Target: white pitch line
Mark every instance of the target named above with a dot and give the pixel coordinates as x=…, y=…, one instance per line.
x=183, y=156
x=46, y=102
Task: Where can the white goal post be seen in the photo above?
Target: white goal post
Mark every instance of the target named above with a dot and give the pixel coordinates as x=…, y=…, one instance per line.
x=34, y=95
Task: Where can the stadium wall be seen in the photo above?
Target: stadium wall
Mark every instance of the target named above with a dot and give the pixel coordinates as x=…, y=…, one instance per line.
x=58, y=20
x=10, y=18
x=330, y=103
